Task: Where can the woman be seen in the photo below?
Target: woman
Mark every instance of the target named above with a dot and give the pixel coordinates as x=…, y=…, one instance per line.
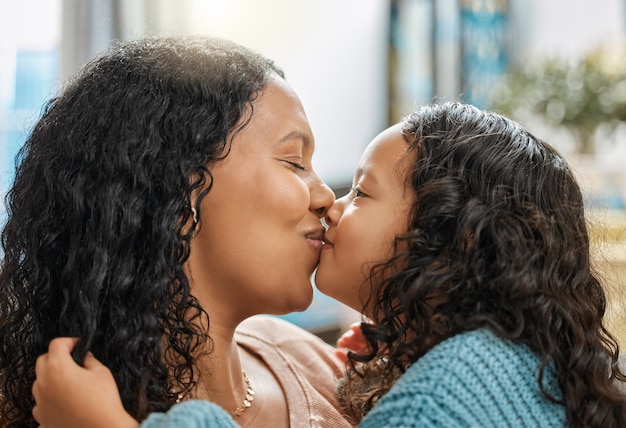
x=153, y=206
x=464, y=240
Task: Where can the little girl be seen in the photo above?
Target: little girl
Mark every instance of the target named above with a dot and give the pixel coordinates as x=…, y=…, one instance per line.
x=486, y=310
x=464, y=243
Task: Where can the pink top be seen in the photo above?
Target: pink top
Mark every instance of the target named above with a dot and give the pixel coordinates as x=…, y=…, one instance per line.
x=305, y=366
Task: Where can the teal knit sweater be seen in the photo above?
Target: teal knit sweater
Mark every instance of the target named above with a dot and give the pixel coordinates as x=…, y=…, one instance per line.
x=474, y=379
x=191, y=414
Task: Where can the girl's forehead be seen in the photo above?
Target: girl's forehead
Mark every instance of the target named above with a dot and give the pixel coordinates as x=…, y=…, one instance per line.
x=389, y=147
x=385, y=159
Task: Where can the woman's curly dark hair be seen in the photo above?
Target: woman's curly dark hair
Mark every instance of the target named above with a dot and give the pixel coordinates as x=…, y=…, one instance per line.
x=97, y=230
x=498, y=239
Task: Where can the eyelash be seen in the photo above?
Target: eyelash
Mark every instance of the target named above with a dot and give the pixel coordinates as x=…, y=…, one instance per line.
x=297, y=166
x=357, y=192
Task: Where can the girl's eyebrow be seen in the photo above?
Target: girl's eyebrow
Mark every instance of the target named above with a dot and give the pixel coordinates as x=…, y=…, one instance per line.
x=368, y=172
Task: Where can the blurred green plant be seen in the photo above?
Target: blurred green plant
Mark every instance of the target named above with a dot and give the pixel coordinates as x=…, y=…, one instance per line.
x=578, y=95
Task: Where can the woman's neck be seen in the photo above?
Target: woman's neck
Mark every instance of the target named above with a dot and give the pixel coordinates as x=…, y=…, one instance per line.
x=220, y=378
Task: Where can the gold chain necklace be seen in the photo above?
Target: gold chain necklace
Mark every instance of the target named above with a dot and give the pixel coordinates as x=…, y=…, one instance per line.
x=248, y=398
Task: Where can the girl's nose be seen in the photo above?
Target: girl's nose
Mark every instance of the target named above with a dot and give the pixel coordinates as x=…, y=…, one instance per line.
x=333, y=213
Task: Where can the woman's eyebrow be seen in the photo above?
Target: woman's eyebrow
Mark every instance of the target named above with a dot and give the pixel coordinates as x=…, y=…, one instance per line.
x=296, y=135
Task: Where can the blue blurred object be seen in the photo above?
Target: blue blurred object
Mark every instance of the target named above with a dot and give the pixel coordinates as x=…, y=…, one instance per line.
x=484, y=57
x=36, y=80
x=324, y=313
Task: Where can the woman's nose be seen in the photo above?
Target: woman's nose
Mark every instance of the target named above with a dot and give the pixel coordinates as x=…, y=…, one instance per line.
x=322, y=197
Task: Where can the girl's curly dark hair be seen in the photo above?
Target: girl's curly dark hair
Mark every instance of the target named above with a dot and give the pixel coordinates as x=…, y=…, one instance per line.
x=97, y=235
x=497, y=238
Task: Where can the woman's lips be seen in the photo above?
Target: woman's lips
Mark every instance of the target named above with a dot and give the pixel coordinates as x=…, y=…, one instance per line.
x=316, y=239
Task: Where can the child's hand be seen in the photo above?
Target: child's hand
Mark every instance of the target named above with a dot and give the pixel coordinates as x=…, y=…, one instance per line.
x=352, y=340
x=68, y=395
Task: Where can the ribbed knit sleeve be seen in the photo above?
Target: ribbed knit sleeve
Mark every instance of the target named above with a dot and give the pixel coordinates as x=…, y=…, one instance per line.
x=474, y=379
x=191, y=414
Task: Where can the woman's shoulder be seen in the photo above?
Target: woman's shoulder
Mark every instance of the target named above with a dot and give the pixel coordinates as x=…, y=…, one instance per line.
x=276, y=339
x=304, y=364
x=276, y=331
x=473, y=378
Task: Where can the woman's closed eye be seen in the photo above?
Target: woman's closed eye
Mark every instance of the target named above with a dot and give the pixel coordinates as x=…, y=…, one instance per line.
x=297, y=166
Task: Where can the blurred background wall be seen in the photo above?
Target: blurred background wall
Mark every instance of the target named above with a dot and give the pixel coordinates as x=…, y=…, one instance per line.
x=357, y=64
x=557, y=66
